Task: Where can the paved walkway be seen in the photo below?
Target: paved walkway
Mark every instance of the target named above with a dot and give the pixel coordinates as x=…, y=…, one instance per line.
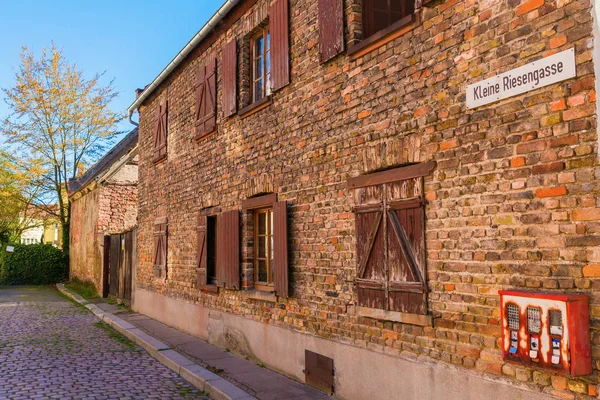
x=52, y=348
x=258, y=381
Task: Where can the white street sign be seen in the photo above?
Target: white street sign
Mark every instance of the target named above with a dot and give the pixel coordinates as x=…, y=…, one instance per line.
x=537, y=74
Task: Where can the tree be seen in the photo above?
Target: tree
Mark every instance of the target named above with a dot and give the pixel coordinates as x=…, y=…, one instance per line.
x=59, y=120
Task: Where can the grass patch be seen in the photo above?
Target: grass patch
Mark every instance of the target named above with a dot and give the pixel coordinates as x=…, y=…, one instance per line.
x=117, y=336
x=85, y=289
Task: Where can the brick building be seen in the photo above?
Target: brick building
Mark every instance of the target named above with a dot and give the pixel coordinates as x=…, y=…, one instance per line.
x=312, y=178
x=103, y=202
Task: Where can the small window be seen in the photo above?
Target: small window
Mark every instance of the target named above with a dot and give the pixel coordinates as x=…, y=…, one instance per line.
x=263, y=249
x=261, y=64
x=211, y=251
x=381, y=14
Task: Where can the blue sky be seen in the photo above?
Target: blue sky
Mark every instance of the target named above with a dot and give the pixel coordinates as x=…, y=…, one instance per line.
x=131, y=40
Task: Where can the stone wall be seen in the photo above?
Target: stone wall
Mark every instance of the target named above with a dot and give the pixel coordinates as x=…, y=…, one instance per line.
x=512, y=203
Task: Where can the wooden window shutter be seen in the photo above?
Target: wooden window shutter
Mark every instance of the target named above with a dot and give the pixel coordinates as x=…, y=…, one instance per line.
x=160, y=132
x=371, y=259
x=201, y=272
x=331, y=28
x=228, y=249
x=407, y=287
x=280, y=51
x=206, y=99
x=160, y=248
x=280, y=249
x=229, y=96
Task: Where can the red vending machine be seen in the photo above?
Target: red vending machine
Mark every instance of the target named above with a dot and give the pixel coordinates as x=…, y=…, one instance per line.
x=547, y=330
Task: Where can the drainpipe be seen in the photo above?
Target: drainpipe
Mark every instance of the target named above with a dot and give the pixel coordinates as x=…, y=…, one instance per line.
x=202, y=33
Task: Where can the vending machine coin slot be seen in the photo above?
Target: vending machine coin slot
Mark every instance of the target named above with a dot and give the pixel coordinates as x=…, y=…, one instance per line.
x=534, y=327
x=513, y=318
x=556, y=331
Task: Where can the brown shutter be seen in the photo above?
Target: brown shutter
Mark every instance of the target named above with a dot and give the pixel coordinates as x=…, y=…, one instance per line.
x=202, y=252
x=228, y=249
x=160, y=248
x=280, y=52
x=408, y=291
x=371, y=259
x=331, y=28
x=280, y=250
x=160, y=132
x=229, y=95
x=206, y=99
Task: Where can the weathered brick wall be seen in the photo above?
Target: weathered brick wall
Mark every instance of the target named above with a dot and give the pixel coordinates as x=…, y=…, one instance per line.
x=117, y=208
x=513, y=202
x=85, y=255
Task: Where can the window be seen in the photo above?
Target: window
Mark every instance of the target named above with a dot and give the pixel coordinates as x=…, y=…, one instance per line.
x=160, y=248
x=263, y=249
x=261, y=64
x=390, y=239
x=381, y=14
x=211, y=250
x=269, y=243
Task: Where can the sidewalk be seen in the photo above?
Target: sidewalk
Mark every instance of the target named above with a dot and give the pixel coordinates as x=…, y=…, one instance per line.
x=219, y=373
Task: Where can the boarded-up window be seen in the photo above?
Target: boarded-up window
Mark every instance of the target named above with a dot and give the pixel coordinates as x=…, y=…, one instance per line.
x=381, y=14
x=206, y=99
x=229, y=76
x=160, y=248
x=160, y=132
x=280, y=56
x=331, y=28
x=390, y=242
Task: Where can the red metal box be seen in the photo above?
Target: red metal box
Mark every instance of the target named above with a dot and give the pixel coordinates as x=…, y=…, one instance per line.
x=546, y=330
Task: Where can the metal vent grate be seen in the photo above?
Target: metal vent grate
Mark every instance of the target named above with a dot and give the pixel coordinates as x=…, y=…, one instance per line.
x=533, y=320
x=512, y=311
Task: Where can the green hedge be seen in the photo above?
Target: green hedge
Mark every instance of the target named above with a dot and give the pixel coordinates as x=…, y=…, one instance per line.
x=33, y=264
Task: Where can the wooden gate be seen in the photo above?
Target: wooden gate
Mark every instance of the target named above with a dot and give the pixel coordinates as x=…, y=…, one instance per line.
x=121, y=261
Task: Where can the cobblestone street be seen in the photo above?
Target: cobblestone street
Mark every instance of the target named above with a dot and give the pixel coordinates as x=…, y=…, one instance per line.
x=52, y=348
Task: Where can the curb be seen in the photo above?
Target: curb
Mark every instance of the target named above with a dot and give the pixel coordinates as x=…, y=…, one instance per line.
x=217, y=387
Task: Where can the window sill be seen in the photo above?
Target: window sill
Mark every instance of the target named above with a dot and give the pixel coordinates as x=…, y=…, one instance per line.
x=203, y=136
x=384, y=36
x=160, y=160
x=214, y=289
x=256, y=294
x=255, y=107
x=395, y=316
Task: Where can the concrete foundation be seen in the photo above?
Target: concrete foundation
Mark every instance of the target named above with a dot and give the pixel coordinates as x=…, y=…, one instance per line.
x=359, y=373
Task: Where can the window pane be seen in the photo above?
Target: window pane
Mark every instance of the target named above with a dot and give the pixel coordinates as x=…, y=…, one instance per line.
x=382, y=5
x=380, y=20
x=259, y=47
x=262, y=247
x=258, y=90
x=211, y=238
x=268, y=57
x=262, y=271
x=272, y=273
x=258, y=67
x=262, y=223
x=268, y=41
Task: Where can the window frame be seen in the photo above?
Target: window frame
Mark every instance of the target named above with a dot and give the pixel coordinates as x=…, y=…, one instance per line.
x=269, y=259
x=264, y=33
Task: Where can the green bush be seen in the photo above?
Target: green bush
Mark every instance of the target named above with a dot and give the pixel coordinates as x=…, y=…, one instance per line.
x=34, y=264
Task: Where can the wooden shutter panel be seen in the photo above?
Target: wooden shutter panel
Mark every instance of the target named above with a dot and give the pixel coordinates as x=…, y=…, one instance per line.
x=371, y=259
x=202, y=250
x=160, y=248
x=331, y=29
x=408, y=291
x=228, y=249
x=280, y=52
x=206, y=99
x=280, y=249
x=230, y=78
x=160, y=132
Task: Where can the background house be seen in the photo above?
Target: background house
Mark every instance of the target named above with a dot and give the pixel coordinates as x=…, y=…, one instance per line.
x=103, y=202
